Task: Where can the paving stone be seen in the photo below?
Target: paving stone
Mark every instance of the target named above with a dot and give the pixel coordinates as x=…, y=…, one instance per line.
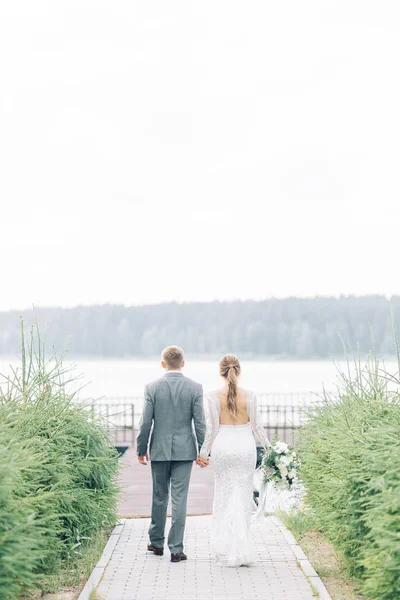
x=134, y=574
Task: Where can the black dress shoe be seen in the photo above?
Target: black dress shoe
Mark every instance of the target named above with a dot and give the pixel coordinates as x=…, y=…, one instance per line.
x=157, y=551
x=178, y=557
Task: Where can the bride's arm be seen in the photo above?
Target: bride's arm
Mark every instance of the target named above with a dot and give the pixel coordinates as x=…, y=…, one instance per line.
x=212, y=423
x=256, y=423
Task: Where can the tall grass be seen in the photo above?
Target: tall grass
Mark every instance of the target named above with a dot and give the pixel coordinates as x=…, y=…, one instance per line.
x=350, y=451
x=57, y=471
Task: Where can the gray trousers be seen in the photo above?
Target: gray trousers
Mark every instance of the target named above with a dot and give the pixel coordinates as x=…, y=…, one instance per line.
x=166, y=474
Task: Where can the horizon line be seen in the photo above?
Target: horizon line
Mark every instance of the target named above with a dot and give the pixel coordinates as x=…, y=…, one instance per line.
x=34, y=307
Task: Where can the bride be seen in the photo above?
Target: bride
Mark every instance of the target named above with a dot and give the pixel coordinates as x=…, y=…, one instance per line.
x=233, y=428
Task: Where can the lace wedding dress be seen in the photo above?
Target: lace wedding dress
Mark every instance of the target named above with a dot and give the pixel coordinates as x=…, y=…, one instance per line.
x=233, y=455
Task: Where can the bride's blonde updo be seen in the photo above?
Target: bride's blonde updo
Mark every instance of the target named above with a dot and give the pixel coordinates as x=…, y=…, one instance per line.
x=229, y=369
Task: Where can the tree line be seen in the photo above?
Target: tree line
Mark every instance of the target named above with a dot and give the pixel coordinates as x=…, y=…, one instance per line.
x=280, y=328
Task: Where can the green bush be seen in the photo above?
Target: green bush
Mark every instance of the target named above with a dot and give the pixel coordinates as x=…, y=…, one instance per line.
x=57, y=473
x=350, y=452
x=22, y=532
x=381, y=557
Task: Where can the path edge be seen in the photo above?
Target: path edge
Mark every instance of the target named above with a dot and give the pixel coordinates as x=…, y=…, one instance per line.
x=305, y=565
x=100, y=567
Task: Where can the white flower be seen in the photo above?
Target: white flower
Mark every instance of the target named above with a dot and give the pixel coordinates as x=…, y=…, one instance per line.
x=283, y=470
x=286, y=460
x=294, y=454
x=281, y=448
x=292, y=473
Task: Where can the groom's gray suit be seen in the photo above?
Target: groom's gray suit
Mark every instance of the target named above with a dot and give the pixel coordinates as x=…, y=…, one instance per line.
x=172, y=404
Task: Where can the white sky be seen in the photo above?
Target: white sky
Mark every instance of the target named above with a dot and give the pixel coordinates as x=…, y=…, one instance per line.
x=163, y=150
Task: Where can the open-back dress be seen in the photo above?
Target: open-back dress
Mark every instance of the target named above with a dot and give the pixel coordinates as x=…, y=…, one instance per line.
x=233, y=455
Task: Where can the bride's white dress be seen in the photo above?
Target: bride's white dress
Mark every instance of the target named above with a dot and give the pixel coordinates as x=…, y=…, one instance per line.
x=234, y=456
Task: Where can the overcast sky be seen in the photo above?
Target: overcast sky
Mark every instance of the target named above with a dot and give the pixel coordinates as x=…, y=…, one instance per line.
x=163, y=150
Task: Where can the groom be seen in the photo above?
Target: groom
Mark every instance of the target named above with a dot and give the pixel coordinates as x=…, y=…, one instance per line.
x=172, y=403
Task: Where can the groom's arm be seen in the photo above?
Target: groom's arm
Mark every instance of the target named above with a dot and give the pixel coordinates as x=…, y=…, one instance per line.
x=145, y=425
x=199, y=418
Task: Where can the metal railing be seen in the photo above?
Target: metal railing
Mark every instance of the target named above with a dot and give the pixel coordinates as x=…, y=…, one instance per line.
x=283, y=422
x=282, y=415
x=119, y=419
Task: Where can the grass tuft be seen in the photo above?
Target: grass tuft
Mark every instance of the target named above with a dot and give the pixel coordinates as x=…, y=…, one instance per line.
x=328, y=562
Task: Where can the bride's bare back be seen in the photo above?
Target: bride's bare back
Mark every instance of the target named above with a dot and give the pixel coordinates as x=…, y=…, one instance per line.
x=225, y=416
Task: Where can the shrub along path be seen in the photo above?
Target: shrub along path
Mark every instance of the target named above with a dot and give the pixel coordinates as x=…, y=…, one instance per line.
x=134, y=574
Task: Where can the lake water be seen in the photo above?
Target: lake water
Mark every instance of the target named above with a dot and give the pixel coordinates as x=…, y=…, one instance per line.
x=126, y=377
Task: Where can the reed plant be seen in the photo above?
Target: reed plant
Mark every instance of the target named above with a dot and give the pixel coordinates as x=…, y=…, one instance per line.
x=350, y=453
x=57, y=470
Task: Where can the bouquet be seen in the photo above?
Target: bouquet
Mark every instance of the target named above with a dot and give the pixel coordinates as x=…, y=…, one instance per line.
x=280, y=465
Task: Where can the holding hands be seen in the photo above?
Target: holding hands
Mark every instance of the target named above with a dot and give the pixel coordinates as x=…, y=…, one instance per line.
x=202, y=462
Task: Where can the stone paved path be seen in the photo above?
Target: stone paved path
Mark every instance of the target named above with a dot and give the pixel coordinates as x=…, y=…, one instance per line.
x=134, y=574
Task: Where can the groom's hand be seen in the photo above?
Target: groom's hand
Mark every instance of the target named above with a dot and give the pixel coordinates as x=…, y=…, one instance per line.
x=143, y=459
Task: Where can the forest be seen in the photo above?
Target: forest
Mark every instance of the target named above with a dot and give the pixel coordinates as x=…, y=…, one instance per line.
x=298, y=328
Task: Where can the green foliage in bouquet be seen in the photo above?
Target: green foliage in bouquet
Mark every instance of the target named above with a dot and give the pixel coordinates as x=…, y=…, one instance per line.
x=350, y=453
x=280, y=463
x=57, y=472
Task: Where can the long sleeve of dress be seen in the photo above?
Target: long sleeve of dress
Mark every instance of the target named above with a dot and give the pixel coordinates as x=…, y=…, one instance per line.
x=256, y=423
x=212, y=425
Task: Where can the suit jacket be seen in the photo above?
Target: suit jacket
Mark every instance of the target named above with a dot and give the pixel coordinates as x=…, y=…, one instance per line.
x=172, y=404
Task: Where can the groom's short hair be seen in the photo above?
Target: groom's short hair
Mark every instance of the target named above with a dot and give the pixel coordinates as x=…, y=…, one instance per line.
x=173, y=357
